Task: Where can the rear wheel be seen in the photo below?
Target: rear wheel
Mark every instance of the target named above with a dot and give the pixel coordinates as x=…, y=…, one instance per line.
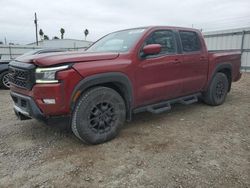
x=4, y=80
x=217, y=91
x=98, y=115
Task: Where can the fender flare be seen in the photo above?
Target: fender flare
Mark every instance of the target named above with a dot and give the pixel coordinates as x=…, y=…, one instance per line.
x=219, y=67
x=103, y=78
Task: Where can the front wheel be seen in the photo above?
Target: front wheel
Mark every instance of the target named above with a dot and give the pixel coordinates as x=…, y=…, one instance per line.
x=217, y=90
x=98, y=115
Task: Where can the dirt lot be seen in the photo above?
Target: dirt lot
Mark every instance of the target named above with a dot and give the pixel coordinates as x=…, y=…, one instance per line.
x=191, y=146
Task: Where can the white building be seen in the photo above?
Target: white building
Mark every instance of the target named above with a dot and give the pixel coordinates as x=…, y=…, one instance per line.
x=63, y=43
x=233, y=39
x=8, y=52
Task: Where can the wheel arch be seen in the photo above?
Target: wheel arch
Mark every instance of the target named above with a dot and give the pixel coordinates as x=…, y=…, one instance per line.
x=225, y=68
x=114, y=80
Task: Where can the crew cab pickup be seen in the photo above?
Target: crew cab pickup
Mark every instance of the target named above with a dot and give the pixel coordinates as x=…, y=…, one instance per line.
x=125, y=72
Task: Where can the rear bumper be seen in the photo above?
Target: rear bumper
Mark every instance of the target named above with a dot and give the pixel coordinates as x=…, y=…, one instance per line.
x=26, y=108
x=237, y=77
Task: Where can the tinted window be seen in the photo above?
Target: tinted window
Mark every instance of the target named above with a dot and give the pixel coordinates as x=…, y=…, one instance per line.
x=190, y=41
x=165, y=38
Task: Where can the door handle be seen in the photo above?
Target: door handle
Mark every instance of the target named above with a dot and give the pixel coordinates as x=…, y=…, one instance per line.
x=202, y=58
x=176, y=61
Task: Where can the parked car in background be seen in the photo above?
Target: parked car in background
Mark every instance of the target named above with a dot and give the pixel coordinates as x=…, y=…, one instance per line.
x=4, y=80
x=125, y=72
x=4, y=65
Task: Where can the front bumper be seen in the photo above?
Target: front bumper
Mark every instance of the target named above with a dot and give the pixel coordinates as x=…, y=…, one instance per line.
x=26, y=108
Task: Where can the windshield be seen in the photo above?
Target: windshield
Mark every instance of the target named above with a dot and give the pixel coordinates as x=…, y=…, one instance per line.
x=121, y=41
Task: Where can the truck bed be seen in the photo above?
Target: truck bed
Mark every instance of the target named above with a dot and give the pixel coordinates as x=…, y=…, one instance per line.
x=226, y=56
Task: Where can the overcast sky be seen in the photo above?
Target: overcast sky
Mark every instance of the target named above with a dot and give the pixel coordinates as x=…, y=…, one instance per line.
x=104, y=16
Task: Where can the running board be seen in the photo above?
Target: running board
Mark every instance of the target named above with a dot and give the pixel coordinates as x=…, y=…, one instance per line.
x=189, y=100
x=164, y=106
x=159, y=108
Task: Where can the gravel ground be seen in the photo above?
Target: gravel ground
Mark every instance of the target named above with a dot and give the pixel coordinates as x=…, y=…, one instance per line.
x=191, y=146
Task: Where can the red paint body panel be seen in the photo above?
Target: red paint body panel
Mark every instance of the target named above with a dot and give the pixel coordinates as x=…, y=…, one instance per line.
x=158, y=78
x=232, y=58
x=194, y=69
x=152, y=80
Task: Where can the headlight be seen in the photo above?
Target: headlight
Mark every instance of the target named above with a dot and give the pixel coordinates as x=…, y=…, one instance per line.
x=48, y=75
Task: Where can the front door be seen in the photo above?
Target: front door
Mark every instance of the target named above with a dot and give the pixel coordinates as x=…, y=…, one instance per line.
x=158, y=76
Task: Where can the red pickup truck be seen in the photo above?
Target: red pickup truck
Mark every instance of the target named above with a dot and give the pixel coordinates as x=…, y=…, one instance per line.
x=125, y=72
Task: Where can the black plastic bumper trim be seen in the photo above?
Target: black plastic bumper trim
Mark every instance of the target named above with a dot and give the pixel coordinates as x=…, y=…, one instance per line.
x=31, y=110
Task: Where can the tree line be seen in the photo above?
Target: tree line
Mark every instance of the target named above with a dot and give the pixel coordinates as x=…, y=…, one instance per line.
x=62, y=32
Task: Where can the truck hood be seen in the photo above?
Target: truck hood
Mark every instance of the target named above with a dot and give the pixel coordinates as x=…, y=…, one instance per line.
x=50, y=59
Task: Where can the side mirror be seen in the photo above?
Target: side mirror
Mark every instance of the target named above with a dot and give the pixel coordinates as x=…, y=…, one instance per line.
x=151, y=49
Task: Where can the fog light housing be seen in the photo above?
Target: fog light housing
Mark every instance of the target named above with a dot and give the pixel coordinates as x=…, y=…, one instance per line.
x=49, y=101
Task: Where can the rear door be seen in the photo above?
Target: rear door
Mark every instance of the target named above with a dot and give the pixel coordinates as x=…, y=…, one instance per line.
x=194, y=64
x=158, y=76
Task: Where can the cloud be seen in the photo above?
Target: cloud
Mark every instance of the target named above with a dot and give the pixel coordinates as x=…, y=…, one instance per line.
x=104, y=16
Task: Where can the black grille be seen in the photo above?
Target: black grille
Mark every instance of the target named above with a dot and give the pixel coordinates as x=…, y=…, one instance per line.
x=22, y=74
x=18, y=77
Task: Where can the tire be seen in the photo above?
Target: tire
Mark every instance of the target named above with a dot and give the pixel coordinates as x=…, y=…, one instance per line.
x=217, y=91
x=4, y=83
x=98, y=115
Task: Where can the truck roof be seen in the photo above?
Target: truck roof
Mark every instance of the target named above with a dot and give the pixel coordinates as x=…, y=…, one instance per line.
x=163, y=27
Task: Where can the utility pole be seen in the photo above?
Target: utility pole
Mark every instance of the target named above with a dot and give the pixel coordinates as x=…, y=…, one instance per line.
x=35, y=21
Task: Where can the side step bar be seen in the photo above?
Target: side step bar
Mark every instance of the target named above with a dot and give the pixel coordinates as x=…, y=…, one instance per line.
x=189, y=100
x=159, y=108
x=166, y=105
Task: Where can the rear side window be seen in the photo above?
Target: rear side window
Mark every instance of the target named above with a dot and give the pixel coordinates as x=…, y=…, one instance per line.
x=165, y=38
x=190, y=41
